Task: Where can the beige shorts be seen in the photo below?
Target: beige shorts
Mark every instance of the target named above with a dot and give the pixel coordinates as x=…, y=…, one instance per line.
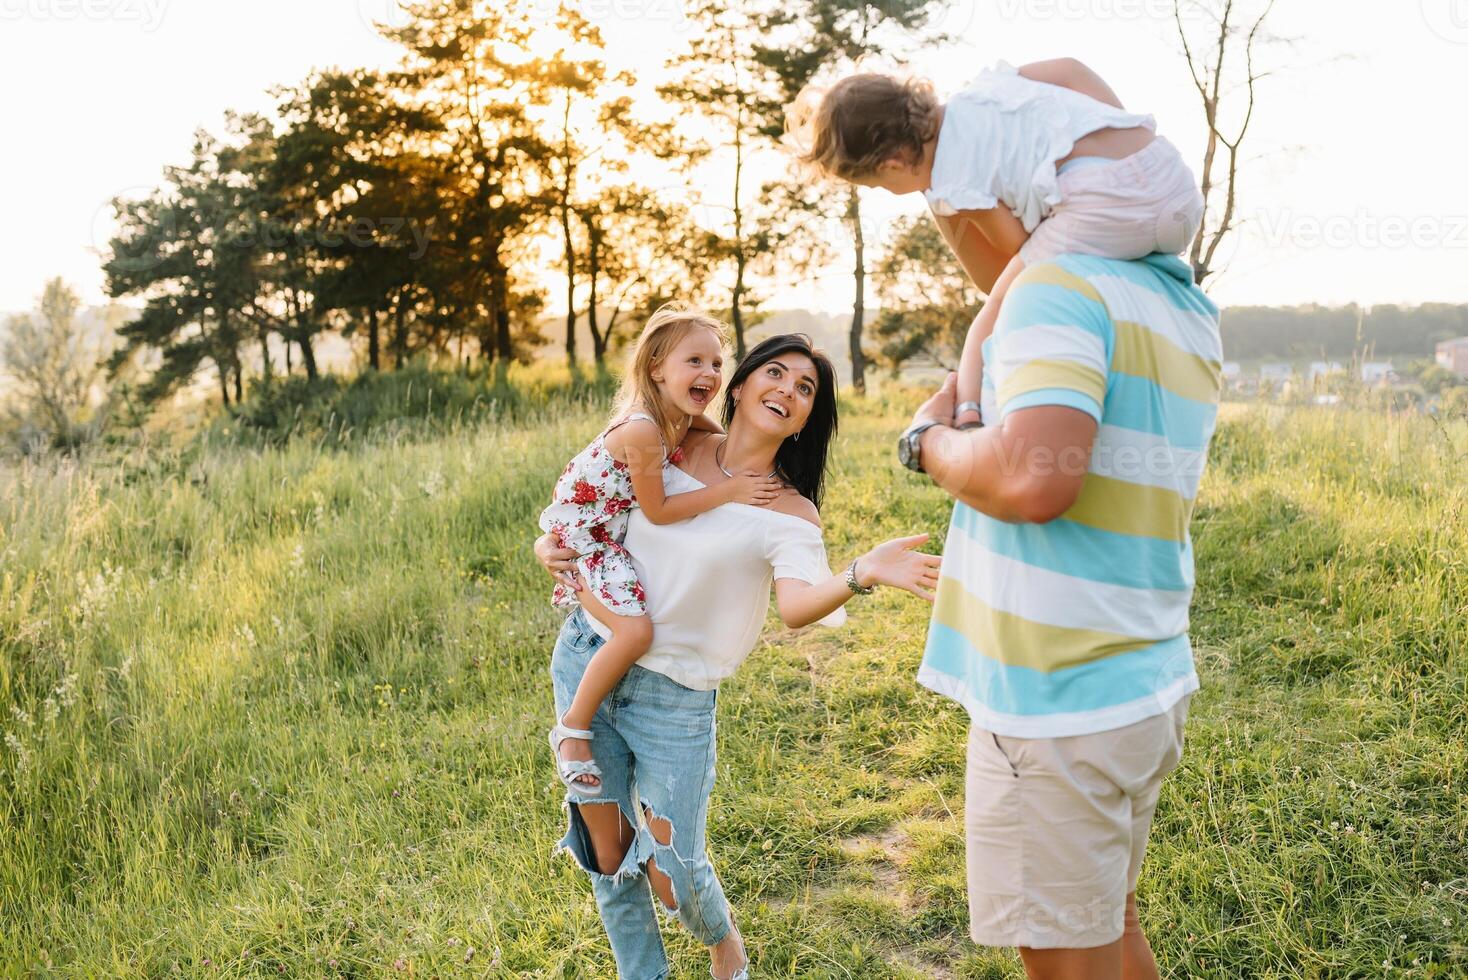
x=1056, y=829
x=1144, y=203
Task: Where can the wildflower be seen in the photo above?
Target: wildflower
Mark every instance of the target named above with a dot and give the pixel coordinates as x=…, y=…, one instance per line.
x=22, y=754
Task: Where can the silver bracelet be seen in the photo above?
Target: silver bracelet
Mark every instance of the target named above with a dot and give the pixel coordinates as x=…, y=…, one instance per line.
x=969, y=407
x=853, y=584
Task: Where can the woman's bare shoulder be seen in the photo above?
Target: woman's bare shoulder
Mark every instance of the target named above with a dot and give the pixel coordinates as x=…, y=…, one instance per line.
x=791, y=502
x=696, y=440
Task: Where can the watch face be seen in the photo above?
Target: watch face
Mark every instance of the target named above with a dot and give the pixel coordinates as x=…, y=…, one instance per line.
x=904, y=450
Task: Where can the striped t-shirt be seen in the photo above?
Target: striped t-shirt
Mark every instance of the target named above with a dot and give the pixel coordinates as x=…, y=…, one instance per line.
x=1080, y=625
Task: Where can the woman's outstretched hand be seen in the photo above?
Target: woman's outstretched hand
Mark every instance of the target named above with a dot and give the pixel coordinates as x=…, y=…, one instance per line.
x=899, y=564
x=559, y=562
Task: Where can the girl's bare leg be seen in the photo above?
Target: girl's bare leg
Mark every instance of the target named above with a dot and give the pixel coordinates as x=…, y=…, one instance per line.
x=631, y=636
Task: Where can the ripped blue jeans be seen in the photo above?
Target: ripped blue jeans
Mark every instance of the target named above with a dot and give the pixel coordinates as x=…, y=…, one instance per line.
x=654, y=742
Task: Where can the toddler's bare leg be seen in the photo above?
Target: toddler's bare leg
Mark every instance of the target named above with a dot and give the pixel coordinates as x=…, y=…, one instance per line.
x=971, y=364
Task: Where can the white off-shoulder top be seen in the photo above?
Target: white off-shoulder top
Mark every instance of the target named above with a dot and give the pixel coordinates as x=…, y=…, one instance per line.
x=708, y=581
x=1000, y=139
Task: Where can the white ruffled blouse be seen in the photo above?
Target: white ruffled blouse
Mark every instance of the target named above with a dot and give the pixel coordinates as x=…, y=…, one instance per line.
x=1000, y=139
x=709, y=578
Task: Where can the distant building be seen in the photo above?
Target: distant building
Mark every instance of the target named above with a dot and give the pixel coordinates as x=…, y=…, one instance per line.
x=1453, y=355
x=1375, y=371
x=1275, y=372
x=1231, y=370
x=1319, y=369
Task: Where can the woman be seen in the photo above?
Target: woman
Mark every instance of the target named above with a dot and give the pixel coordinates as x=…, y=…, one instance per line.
x=708, y=582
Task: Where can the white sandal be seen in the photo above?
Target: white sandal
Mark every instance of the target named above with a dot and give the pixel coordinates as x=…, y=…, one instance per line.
x=569, y=770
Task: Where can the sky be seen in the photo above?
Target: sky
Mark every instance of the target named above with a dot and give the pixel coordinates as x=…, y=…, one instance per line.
x=1352, y=190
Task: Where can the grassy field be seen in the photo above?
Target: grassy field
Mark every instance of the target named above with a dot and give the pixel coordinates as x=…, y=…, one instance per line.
x=282, y=713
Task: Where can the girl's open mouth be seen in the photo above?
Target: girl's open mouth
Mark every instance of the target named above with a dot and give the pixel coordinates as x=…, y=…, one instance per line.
x=700, y=394
x=779, y=410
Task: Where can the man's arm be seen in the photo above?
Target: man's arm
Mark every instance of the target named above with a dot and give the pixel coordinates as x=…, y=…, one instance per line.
x=1028, y=469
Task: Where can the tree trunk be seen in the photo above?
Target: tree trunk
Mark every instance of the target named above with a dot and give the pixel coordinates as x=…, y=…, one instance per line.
x=499, y=304
x=736, y=313
x=593, y=269
x=308, y=357
x=223, y=382
x=858, y=307
x=239, y=385
x=267, y=370
x=399, y=333
x=566, y=233
x=288, y=366
x=374, y=343
x=570, y=287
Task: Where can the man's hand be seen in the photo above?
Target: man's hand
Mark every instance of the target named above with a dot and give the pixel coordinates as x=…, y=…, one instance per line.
x=939, y=408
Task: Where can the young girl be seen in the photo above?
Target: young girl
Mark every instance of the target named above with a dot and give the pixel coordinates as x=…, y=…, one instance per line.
x=674, y=374
x=1020, y=166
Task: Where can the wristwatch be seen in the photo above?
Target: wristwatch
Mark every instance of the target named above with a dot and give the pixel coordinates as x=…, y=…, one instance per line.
x=910, y=447
x=853, y=584
x=969, y=407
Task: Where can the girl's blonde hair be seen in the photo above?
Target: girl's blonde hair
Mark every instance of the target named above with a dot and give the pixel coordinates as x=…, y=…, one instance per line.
x=850, y=129
x=664, y=330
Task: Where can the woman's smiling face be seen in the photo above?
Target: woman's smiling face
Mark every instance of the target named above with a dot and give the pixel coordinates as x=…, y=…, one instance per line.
x=777, y=396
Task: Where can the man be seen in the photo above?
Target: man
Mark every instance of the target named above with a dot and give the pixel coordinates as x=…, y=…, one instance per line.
x=1062, y=612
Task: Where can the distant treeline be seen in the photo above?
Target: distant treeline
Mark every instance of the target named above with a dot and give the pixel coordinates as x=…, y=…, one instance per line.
x=430, y=210
x=1338, y=332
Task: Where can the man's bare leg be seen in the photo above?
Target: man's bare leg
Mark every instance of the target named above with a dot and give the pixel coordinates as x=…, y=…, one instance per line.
x=1129, y=958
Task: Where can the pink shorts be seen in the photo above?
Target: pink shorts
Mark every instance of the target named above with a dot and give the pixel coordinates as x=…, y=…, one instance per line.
x=1124, y=209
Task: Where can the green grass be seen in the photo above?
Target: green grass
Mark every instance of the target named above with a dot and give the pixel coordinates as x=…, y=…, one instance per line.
x=282, y=713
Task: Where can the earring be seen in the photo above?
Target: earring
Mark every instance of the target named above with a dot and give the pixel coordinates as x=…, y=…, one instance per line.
x=797, y=436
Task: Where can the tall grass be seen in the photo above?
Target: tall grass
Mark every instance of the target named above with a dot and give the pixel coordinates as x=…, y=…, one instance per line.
x=280, y=712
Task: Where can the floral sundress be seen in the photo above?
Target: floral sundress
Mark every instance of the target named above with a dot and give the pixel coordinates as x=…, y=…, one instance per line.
x=588, y=513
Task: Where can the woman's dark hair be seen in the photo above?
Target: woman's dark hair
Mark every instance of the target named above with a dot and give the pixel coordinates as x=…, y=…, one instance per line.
x=799, y=462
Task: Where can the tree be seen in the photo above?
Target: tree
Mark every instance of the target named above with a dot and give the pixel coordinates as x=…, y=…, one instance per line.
x=818, y=37
x=565, y=80
x=1224, y=60
x=468, y=61
x=354, y=147
x=58, y=367
x=928, y=301
x=721, y=75
x=641, y=253
x=178, y=248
